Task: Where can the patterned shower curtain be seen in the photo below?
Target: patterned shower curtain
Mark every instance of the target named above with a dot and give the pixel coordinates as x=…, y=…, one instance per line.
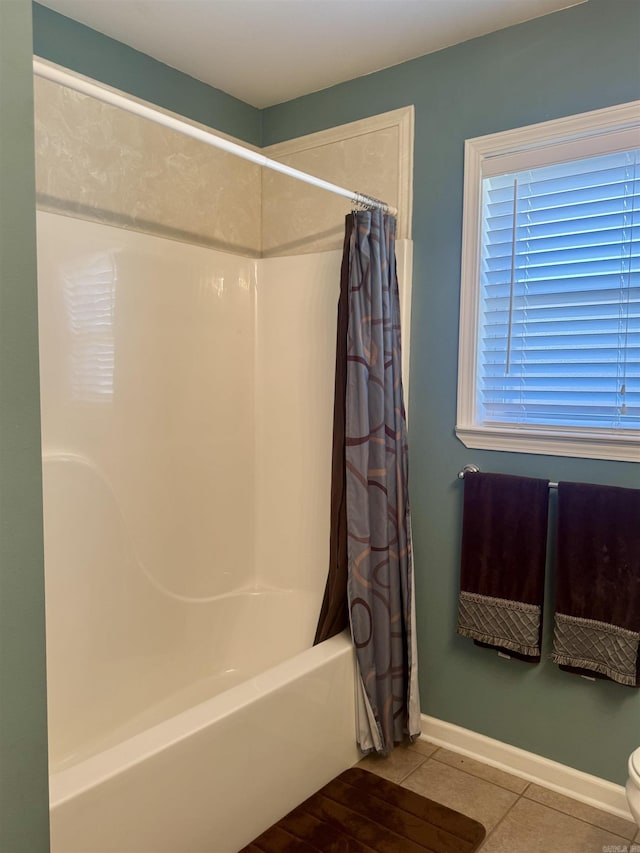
x=372, y=495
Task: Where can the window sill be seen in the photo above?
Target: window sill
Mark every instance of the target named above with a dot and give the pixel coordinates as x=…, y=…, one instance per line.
x=553, y=442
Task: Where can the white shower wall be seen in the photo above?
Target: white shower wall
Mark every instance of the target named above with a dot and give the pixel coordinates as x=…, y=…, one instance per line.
x=295, y=367
x=147, y=355
x=146, y=374
x=187, y=402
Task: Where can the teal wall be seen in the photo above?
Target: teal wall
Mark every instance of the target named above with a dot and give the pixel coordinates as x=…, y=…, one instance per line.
x=24, y=818
x=579, y=59
x=68, y=43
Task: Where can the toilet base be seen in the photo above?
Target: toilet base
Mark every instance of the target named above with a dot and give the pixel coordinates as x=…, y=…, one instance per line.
x=632, y=790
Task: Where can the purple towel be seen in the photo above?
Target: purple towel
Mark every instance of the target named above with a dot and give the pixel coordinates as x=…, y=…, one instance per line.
x=504, y=542
x=597, y=621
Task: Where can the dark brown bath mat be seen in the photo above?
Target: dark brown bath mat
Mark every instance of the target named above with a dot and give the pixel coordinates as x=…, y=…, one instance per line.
x=359, y=812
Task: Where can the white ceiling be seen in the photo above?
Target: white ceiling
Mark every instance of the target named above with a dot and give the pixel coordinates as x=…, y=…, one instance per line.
x=265, y=52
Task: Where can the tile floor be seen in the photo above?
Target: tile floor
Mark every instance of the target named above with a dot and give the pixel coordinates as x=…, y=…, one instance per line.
x=520, y=817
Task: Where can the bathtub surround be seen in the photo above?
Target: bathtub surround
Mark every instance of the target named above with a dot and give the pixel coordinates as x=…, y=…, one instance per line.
x=149, y=113
x=131, y=454
x=95, y=161
x=89, y=165
x=376, y=152
x=137, y=458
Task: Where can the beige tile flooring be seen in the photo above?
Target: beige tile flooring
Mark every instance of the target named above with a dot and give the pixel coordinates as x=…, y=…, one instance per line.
x=519, y=817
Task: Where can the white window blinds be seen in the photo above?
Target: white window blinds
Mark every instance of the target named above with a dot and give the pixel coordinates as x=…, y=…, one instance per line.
x=559, y=325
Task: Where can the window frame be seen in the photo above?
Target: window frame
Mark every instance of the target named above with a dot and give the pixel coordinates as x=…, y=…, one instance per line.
x=586, y=134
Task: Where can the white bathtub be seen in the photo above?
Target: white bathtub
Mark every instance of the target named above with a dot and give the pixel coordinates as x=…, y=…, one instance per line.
x=176, y=724
x=215, y=775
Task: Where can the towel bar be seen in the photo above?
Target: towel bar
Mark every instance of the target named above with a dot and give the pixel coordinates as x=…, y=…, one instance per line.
x=473, y=469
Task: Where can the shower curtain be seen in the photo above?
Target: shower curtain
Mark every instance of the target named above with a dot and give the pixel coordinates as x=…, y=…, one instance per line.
x=371, y=572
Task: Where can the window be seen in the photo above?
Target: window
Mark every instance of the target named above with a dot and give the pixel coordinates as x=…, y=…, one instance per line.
x=550, y=299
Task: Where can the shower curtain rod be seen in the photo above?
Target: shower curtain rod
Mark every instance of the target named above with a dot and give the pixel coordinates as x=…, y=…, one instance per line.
x=48, y=71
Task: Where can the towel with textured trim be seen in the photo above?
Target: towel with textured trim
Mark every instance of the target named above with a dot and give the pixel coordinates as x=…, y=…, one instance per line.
x=504, y=545
x=597, y=620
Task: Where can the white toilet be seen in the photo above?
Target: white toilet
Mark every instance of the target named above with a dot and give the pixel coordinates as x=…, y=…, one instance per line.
x=633, y=785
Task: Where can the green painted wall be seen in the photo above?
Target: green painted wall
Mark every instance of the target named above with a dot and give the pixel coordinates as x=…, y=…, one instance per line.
x=88, y=52
x=24, y=818
x=579, y=59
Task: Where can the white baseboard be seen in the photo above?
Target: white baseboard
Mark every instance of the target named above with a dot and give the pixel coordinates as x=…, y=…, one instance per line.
x=527, y=765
